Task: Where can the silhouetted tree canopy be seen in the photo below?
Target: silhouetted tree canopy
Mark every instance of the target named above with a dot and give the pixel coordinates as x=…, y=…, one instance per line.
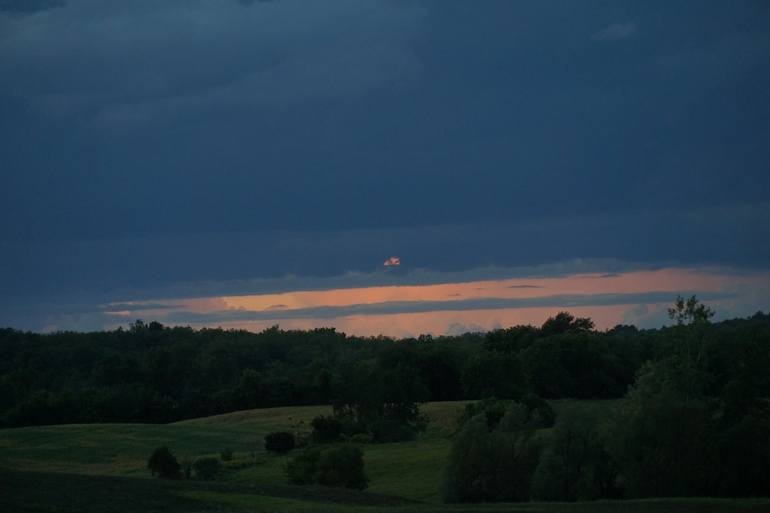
x=695, y=422
x=153, y=373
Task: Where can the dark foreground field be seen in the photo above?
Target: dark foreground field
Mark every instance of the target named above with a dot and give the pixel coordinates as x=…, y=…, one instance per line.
x=101, y=468
x=70, y=493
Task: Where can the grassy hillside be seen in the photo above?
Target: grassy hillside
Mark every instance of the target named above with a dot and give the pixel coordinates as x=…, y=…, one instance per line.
x=122, y=449
x=102, y=467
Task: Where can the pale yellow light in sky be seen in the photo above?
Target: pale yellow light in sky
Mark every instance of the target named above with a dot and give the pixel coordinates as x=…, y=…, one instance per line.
x=413, y=324
x=634, y=282
x=671, y=280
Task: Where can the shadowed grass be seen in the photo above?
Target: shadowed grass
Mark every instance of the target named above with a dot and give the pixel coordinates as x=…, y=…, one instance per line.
x=92, y=468
x=412, y=470
x=122, y=449
x=28, y=492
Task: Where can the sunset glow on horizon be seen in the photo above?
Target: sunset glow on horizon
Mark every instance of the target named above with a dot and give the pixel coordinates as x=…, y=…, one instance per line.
x=637, y=297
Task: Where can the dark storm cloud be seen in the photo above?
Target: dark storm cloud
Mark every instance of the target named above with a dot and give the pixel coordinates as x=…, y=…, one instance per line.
x=176, y=145
x=29, y=6
x=156, y=62
x=252, y=2
x=132, y=269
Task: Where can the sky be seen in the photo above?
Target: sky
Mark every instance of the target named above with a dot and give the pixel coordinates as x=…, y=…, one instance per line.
x=246, y=163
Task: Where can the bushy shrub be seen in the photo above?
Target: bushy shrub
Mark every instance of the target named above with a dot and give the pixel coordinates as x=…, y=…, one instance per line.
x=163, y=463
x=575, y=466
x=303, y=468
x=341, y=466
x=386, y=430
x=386, y=422
x=302, y=439
x=531, y=412
x=745, y=454
x=665, y=441
x=226, y=455
x=280, y=442
x=540, y=414
x=497, y=450
x=492, y=408
x=492, y=465
x=326, y=429
x=207, y=469
x=187, y=467
x=361, y=438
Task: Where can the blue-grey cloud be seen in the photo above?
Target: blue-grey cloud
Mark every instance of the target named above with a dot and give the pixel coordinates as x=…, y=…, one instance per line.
x=250, y=263
x=457, y=328
x=740, y=299
x=178, y=59
x=616, y=31
x=138, y=307
x=209, y=145
x=29, y=6
x=252, y=2
x=401, y=307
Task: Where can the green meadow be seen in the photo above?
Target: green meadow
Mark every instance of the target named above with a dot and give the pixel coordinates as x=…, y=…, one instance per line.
x=102, y=467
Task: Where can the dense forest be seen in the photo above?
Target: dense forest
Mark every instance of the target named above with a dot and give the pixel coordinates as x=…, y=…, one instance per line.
x=692, y=416
x=152, y=373
x=695, y=422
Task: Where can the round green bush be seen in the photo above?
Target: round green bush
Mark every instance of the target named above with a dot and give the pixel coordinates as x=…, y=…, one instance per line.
x=280, y=442
x=326, y=429
x=361, y=438
x=207, y=469
x=163, y=463
x=341, y=466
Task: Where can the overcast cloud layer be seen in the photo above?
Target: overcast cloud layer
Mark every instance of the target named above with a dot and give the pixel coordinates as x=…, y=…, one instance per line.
x=167, y=149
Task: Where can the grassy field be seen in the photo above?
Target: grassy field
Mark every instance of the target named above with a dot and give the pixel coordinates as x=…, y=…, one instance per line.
x=103, y=468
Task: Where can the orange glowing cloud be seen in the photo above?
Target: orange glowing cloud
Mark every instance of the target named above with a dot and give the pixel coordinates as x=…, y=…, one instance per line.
x=672, y=280
x=401, y=310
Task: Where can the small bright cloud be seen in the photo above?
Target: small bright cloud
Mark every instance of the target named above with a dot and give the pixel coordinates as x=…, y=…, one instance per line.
x=392, y=261
x=615, y=32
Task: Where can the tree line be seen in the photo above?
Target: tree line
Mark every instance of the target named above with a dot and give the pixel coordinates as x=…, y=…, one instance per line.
x=695, y=422
x=152, y=373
